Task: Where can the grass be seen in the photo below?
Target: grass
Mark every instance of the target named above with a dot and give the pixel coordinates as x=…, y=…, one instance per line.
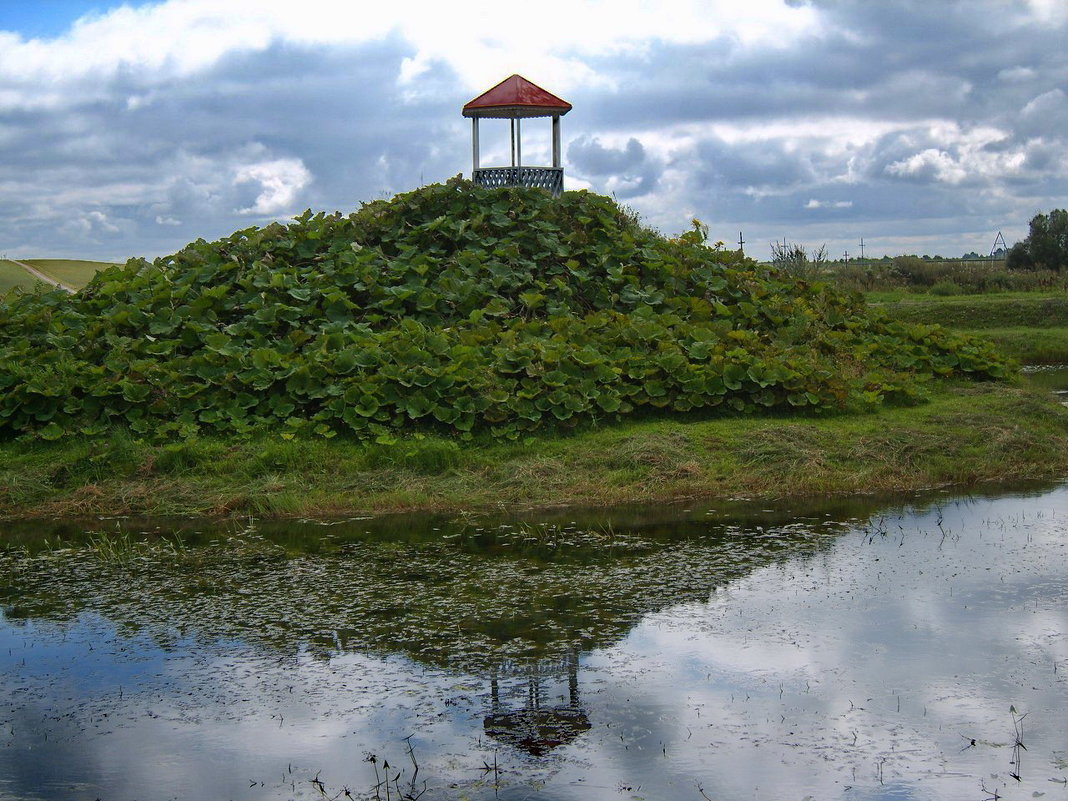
x=1028, y=345
x=967, y=433
x=1028, y=310
x=919, y=295
x=1032, y=327
x=11, y=276
x=74, y=273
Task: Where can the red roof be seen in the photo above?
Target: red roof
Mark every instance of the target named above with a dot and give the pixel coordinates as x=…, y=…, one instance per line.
x=516, y=97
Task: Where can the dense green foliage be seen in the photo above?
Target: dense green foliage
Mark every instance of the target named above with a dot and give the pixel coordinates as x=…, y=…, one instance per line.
x=451, y=308
x=1046, y=245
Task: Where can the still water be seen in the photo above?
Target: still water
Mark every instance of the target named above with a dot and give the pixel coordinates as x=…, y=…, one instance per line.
x=1051, y=377
x=872, y=649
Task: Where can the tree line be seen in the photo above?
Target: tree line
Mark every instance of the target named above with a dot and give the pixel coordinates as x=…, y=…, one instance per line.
x=1046, y=244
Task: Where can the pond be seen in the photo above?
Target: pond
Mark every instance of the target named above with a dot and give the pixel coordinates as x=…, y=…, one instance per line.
x=866, y=649
x=1052, y=377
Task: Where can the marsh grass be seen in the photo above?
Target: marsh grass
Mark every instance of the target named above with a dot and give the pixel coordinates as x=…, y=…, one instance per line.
x=120, y=547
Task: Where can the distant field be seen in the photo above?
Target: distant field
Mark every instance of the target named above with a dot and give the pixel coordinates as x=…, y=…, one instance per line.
x=69, y=272
x=74, y=273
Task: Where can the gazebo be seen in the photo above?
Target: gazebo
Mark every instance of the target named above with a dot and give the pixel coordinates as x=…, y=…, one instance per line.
x=515, y=99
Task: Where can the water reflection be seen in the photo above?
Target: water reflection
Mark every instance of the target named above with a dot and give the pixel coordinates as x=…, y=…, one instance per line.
x=533, y=725
x=464, y=594
x=735, y=652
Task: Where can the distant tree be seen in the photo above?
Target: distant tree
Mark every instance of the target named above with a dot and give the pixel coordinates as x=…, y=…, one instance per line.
x=1046, y=245
x=1019, y=258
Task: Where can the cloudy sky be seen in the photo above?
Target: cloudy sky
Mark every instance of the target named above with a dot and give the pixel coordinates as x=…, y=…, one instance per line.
x=921, y=126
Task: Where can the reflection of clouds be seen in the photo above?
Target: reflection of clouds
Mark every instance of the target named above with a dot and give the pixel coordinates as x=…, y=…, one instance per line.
x=908, y=645
x=853, y=673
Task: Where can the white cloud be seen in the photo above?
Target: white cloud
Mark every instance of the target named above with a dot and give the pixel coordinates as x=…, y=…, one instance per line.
x=92, y=222
x=954, y=155
x=1047, y=104
x=1053, y=12
x=747, y=113
x=280, y=181
x=478, y=39
x=929, y=163
x=829, y=204
x=1017, y=74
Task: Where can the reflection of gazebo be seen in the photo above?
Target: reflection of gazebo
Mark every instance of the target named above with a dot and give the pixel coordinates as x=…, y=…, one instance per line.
x=536, y=728
x=516, y=99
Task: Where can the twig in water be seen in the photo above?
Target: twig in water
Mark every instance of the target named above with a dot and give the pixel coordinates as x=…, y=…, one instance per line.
x=1017, y=747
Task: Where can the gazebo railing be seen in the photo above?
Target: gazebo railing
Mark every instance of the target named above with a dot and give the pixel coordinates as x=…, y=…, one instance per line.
x=549, y=178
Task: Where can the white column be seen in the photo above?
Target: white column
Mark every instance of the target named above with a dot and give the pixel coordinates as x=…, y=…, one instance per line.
x=511, y=123
x=474, y=146
x=556, y=140
x=519, y=142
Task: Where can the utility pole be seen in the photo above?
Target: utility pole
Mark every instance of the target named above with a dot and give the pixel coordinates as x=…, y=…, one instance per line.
x=862, y=248
x=845, y=256
x=741, y=243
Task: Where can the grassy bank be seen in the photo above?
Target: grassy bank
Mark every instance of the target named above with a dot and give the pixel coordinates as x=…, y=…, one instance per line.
x=968, y=433
x=1032, y=327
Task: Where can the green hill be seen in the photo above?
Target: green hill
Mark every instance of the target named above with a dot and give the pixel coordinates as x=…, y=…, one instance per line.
x=453, y=309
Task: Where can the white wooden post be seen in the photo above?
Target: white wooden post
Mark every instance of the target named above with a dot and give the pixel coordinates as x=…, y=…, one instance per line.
x=556, y=140
x=474, y=146
x=519, y=142
x=512, y=126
